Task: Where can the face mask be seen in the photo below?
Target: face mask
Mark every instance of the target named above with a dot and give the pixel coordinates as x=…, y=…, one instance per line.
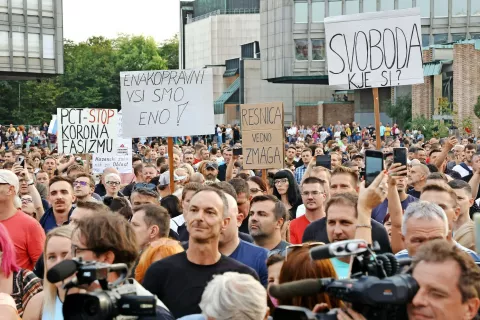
x=274, y=301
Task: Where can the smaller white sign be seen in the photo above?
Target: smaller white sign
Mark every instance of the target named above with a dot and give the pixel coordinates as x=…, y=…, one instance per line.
x=375, y=49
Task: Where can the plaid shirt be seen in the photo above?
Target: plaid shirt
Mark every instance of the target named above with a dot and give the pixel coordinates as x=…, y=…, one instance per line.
x=299, y=172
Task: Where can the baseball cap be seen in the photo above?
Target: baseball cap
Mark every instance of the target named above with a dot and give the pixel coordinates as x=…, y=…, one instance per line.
x=165, y=178
x=8, y=177
x=358, y=155
x=212, y=165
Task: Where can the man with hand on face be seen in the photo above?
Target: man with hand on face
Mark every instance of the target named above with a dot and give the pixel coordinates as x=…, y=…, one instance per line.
x=185, y=275
x=61, y=198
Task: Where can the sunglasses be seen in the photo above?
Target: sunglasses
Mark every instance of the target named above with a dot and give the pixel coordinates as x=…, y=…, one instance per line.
x=80, y=183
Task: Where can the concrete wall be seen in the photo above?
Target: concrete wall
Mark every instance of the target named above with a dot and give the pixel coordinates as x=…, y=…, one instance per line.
x=257, y=90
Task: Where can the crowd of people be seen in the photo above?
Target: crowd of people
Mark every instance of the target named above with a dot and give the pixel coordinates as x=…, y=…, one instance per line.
x=211, y=245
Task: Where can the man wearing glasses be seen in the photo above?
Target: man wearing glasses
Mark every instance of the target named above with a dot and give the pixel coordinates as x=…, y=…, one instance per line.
x=313, y=197
x=83, y=187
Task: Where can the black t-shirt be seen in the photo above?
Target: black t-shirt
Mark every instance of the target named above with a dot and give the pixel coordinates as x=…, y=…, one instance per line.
x=414, y=193
x=179, y=283
x=317, y=231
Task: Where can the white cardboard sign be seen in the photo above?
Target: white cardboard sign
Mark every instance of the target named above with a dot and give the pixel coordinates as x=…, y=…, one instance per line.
x=377, y=49
x=167, y=103
x=86, y=130
x=121, y=159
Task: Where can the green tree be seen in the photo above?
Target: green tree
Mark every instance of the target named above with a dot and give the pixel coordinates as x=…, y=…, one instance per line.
x=476, y=108
x=138, y=53
x=169, y=50
x=400, y=111
x=430, y=128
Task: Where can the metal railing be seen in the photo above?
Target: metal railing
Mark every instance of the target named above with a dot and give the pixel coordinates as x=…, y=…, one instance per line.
x=223, y=11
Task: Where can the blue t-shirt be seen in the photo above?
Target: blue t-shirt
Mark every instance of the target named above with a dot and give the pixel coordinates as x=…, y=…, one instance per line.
x=379, y=213
x=341, y=268
x=253, y=256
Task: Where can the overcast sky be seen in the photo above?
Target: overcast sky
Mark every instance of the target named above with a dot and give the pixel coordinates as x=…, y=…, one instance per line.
x=85, y=18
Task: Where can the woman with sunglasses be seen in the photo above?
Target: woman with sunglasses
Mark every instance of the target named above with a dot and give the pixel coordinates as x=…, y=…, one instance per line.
x=48, y=304
x=286, y=189
x=299, y=266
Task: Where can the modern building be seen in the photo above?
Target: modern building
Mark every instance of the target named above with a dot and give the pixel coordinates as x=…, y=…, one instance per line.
x=31, y=39
x=224, y=35
x=293, y=39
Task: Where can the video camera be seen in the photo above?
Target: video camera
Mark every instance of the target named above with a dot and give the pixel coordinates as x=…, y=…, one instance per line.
x=112, y=300
x=375, y=289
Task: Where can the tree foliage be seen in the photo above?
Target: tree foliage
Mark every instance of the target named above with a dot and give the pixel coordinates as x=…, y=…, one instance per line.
x=91, y=77
x=476, y=108
x=400, y=111
x=429, y=127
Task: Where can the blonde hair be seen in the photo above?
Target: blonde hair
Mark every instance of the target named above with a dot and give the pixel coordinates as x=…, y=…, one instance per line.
x=49, y=289
x=156, y=251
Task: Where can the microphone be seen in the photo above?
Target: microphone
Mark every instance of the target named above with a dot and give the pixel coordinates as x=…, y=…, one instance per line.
x=306, y=287
x=62, y=270
x=338, y=249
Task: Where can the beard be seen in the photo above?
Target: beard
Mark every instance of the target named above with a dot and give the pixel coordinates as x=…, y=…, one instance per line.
x=210, y=177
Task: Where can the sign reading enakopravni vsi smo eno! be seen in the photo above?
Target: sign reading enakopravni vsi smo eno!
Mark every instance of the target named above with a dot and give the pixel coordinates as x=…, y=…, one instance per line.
x=377, y=49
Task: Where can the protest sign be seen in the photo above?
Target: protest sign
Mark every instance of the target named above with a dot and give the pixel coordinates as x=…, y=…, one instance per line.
x=372, y=50
x=167, y=103
x=120, y=159
x=86, y=130
x=262, y=135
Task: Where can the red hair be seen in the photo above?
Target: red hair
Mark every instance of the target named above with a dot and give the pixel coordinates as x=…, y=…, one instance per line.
x=8, y=258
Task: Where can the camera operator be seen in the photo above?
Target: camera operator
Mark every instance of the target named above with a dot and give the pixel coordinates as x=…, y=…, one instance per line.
x=111, y=239
x=449, y=285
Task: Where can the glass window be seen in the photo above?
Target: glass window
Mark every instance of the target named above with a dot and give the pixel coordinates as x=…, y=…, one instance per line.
x=440, y=8
x=459, y=8
x=301, y=49
x=318, y=11
x=369, y=5
x=475, y=8
x=424, y=8
x=387, y=5
x=34, y=45
x=301, y=12
x=334, y=8
x=352, y=6
x=32, y=4
x=440, y=38
x=48, y=47
x=318, y=49
x=47, y=5
x=475, y=35
x=3, y=5
x=4, y=44
x=18, y=42
x=17, y=3
x=458, y=36
x=425, y=40
x=404, y=4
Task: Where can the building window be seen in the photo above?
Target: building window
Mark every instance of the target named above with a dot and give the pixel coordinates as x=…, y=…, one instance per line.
x=475, y=35
x=48, y=47
x=318, y=49
x=369, y=5
x=425, y=40
x=352, y=6
x=440, y=38
x=404, y=4
x=458, y=37
x=424, y=8
x=47, y=5
x=18, y=42
x=32, y=4
x=301, y=49
x=4, y=44
x=475, y=8
x=301, y=12
x=334, y=8
x=459, y=8
x=387, y=5
x=17, y=4
x=440, y=8
x=34, y=45
x=318, y=11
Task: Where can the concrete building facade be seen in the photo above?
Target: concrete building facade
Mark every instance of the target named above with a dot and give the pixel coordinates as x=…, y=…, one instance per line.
x=31, y=39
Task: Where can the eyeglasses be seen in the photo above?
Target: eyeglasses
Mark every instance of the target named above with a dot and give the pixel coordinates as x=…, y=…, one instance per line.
x=292, y=247
x=313, y=193
x=281, y=181
x=27, y=200
x=255, y=190
x=113, y=183
x=80, y=183
x=76, y=249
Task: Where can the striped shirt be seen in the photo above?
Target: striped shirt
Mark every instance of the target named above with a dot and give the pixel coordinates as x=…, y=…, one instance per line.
x=404, y=253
